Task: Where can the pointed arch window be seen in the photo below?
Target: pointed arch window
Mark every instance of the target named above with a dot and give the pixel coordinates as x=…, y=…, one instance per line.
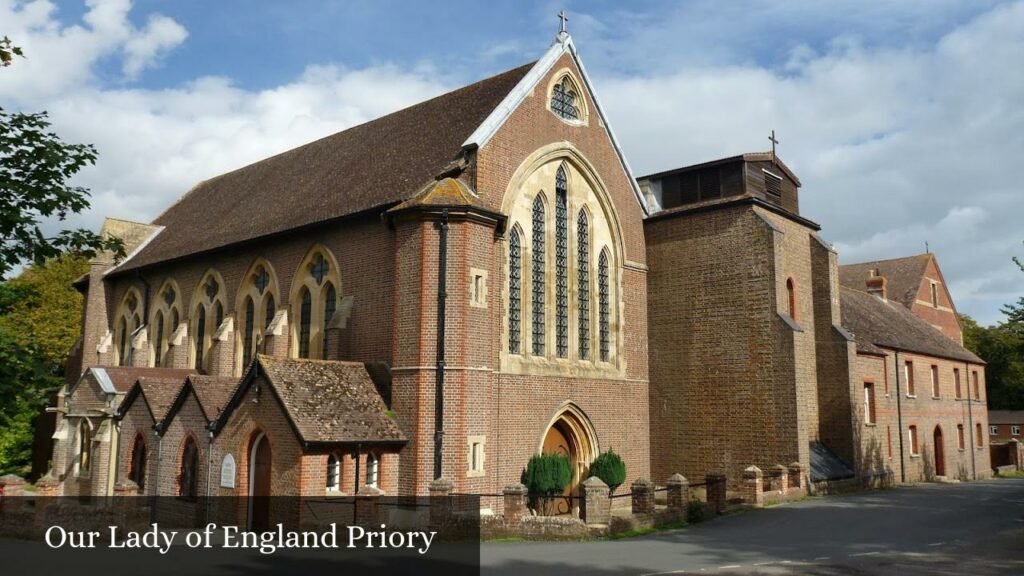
x=249, y=342
x=561, y=265
x=189, y=470
x=163, y=322
x=314, y=300
x=84, y=448
x=537, y=277
x=515, y=303
x=128, y=321
x=200, y=342
x=330, y=306
x=333, y=473
x=583, y=283
x=255, y=309
x=603, y=307
x=158, y=345
x=563, y=99
x=137, y=472
x=305, y=323
x=207, y=316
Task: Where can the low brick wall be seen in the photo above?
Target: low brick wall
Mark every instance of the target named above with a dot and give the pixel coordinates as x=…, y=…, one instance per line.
x=536, y=528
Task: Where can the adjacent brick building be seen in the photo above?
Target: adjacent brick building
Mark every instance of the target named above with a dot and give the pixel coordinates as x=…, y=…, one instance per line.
x=446, y=291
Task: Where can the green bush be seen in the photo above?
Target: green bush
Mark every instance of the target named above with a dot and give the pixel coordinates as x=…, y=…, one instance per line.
x=547, y=474
x=610, y=468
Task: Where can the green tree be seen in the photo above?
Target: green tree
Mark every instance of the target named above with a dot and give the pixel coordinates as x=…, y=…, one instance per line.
x=609, y=467
x=546, y=476
x=1002, y=349
x=35, y=169
x=39, y=316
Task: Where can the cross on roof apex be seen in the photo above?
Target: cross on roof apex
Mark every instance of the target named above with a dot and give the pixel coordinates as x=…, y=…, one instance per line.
x=563, y=33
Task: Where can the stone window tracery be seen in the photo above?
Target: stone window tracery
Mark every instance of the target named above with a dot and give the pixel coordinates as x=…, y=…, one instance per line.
x=256, y=310
x=129, y=319
x=583, y=284
x=315, y=299
x=561, y=265
x=604, y=307
x=207, y=317
x=563, y=99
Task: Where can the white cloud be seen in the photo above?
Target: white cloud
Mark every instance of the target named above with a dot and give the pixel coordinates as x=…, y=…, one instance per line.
x=154, y=145
x=895, y=145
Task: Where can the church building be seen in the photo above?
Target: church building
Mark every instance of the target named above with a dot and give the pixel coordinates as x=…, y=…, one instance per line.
x=437, y=295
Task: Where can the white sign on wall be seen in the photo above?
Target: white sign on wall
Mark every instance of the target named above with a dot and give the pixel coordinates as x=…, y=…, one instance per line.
x=227, y=472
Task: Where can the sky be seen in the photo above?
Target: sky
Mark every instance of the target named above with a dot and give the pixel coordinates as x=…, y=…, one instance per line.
x=904, y=120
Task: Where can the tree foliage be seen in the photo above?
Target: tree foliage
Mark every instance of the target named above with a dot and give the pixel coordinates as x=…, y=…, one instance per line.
x=547, y=474
x=609, y=467
x=8, y=51
x=39, y=317
x=35, y=169
x=1002, y=349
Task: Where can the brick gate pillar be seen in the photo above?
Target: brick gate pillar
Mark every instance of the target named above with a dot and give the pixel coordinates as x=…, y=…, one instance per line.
x=753, y=492
x=515, y=503
x=643, y=496
x=679, y=496
x=715, y=484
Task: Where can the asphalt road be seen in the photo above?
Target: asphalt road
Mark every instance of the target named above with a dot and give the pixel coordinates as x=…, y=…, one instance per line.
x=972, y=528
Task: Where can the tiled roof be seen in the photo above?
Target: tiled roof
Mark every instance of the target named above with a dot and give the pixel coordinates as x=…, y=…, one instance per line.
x=375, y=164
x=888, y=324
x=160, y=393
x=903, y=276
x=326, y=402
x=1006, y=416
x=124, y=377
x=213, y=392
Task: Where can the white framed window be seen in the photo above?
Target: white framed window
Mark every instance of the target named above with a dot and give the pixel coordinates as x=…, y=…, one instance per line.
x=478, y=288
x=935, y=381
x=1015, y=430
x=869, y=402
x=993, y=430
x=371, y=470
x=333, y=483
x=476, y=456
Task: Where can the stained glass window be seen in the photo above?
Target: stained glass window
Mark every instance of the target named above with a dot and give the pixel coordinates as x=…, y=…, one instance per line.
x=319, y=269
x=200, y=341
x=537, y=289
x=561, y=266
x=330, y=305
x=187, y=481
x=563, y=100
x=583, y=282
x=305, y=319
x=515, y=302
x=603, y=306
x=249, y=345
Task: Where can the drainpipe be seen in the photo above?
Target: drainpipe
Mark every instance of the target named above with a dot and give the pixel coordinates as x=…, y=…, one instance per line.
x=209, y=473
x=159, y=465
x=442, y=295
x=899, y=420
x=355, y=484
x=970, y=416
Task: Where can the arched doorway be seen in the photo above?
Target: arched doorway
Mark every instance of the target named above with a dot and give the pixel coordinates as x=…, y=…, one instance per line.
x=940, y=460
x=259, y=482
x=571, y=433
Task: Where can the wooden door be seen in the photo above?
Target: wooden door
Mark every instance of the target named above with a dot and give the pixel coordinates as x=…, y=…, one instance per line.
x=260, y=494
x=940, y=460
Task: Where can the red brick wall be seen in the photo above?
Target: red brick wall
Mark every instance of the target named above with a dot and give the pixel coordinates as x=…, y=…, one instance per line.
x=925, y=412
x=943, y=315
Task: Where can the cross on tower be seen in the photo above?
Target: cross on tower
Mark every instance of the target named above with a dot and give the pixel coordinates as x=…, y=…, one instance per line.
x=563, y=19
x=773, y=140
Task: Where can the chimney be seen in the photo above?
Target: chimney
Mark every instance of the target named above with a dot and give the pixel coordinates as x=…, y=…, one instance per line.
x=878, y=286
